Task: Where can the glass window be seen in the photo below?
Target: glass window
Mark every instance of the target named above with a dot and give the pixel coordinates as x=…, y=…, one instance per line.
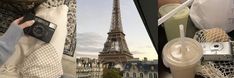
x=150, y=75
x=152, y=68
x=134, y=75
x=155, y=75
x=141, y=75
x=127, y=74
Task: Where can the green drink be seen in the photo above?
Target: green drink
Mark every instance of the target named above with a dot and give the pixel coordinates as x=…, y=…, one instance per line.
x=171, y=26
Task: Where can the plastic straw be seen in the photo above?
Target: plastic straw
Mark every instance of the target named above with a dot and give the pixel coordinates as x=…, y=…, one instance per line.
x=173, y=12
x=182, y=35
x=181, y=31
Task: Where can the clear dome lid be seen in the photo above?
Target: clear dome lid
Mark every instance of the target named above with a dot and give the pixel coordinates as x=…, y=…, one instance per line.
x=188, y=54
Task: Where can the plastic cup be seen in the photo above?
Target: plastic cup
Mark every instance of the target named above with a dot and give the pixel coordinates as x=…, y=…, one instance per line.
x=171, y=25
x=182, y=61
x=163, y=2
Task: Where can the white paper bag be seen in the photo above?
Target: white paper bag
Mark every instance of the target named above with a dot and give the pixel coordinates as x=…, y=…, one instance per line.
x=213, y=13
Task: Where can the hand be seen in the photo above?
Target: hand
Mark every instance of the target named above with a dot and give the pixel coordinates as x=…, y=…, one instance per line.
x=25, y=24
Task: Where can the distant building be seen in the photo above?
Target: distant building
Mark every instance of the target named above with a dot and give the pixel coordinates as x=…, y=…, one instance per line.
x=141, y=69
x=89, y=68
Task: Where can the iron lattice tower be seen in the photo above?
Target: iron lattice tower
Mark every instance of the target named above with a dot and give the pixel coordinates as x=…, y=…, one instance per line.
x=115, y=49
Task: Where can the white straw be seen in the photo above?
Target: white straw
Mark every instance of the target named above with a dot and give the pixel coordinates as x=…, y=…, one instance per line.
x=173, y=12
x=181, y=31
x=182, y=35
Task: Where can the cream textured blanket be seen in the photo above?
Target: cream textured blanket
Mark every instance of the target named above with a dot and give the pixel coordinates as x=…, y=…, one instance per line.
x=34, y=58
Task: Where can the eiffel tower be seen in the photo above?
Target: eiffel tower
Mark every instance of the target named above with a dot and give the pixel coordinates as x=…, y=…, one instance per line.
x=115, y=49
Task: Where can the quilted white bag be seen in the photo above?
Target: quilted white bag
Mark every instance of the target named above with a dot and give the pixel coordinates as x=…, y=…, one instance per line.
x=213, y=13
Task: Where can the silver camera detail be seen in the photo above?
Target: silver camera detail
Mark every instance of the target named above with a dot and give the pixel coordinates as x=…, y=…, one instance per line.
x=217, y=51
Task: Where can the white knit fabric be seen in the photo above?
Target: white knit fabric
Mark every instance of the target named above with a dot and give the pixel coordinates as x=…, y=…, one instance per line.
x=42, y=63
x=57, y=15
x=45, y=62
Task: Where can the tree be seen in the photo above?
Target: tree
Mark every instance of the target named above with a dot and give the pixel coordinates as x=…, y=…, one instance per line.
x=111, y=73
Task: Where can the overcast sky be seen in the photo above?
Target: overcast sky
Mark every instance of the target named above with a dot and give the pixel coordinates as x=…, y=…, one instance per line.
x=93, y=23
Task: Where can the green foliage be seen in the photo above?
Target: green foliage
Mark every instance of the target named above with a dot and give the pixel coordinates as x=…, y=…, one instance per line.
x=111, y=73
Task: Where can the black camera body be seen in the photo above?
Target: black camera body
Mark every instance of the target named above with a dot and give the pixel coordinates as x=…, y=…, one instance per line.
x=41, y=29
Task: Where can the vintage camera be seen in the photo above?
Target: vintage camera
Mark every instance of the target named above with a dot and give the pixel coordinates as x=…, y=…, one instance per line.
x=218, y=51
x=41, y=29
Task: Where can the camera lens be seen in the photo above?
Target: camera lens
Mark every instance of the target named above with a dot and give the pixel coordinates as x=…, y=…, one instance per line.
x=38, y=31
x=216, y=46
